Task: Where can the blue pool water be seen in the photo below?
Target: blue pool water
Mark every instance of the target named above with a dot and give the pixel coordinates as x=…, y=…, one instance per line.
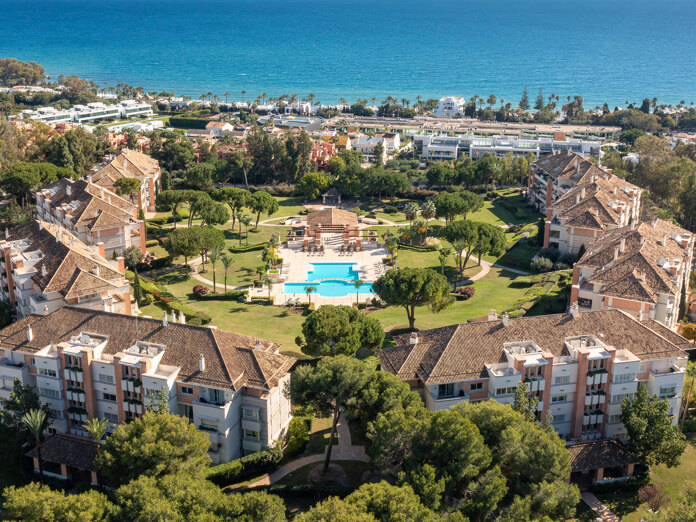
x=327, y=279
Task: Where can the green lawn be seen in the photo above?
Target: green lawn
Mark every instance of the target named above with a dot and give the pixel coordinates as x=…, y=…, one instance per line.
x=270, y=322
x=354, y=469
x=628, y=506
x=289, y=206
x=320, y=435
x=492, y=291
x=413, y=259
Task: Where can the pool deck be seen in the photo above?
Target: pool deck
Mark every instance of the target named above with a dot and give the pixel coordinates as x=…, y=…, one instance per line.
x=296, y=264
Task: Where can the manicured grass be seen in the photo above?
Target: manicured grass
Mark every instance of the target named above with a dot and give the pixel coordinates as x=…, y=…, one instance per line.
x=288, y=206
x=492, y=291
x=354, y=469
x=414, y=259
x=628, y=506
x=320, y=435
x=273, y=323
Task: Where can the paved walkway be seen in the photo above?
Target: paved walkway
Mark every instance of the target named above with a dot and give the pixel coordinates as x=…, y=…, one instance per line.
x=605, y=514
x=344, y=450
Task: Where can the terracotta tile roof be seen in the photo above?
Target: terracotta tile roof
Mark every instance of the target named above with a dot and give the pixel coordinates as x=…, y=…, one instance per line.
x=637, y=272
x=127, y=163
x=460, y=352
x=332, y=217
x=88, y=205
x=231, y=362
x=596, y=204
x=604, y=453
x=215, y=124
x=65, y=259
x=569, y=166
x=62, y=448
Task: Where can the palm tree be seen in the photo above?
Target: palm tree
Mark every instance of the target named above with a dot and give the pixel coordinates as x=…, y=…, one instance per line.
x=428, y=212
x=239, y=220
x=97, y=429
x=246, y=221
x=243, y=93
x=225, y=94
x=309, y=290
x=226, y=261
x=263, y=97
x=34, y=420
x=691, y=373
x=267, y=281
x=411, y=212
x=260, y=270
x=357, y=284
x=213, y=257
x=443, y=258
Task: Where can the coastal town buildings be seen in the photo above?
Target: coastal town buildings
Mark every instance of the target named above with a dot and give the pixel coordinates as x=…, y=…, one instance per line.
x=553, y=175
x=45, y=267
x=89, y=113
x=641, y=268
x=366, y=146
x=89, y=364
x=450, y=106
x=130, y=164
x=92, y=214
x=448, y=148
x=579, y=366
x=584, y=212
x=219, y=128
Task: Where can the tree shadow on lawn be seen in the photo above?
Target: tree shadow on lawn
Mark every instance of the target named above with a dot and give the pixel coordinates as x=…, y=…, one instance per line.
x=622, y=503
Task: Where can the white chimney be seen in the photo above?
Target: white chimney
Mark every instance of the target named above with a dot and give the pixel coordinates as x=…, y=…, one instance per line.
x=616, y=253
x=574, y=310
x=201, y=363
x=664, y=240
x=7, y=234
x=102, y=193
x=44, y=272
x=95, y=270
x=257, y=344
x=165, y=322
x=506, y=319
x=105, y=306
x=173, y=317
x=68, y=190
x=623, y=245
x=413, y=339
x=582, y=193
x=45, y=309
x=492, y=315
x=182, y=317
x=40, y=225
x=30, y=334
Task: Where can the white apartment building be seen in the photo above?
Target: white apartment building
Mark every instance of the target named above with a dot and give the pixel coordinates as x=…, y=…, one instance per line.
x=89, y=113
x=44, y=267
x=92, y=214
x=640, y=269
x=448, y=148
x=582, y=214
x=579, y=366
x=450, y=106
x=92, y=364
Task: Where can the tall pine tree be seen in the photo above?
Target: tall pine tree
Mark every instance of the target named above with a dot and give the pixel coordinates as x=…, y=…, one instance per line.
x=524, y=102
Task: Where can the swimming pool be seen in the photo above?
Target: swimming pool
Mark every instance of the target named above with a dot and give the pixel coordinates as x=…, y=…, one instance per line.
x=330, y=280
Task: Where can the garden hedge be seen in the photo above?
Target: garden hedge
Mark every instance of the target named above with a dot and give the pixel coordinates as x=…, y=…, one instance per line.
x=245, y=467
x=250, y=248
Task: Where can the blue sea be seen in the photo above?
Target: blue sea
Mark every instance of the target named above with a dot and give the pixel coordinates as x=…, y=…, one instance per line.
x=604, y=50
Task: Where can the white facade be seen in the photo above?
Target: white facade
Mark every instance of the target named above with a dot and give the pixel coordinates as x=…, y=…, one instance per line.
x=90, y=113
x=450, y=106
x=447, y=148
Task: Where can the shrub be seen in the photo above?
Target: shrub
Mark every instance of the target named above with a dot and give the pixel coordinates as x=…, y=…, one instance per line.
x=245, y=467
x=422, y=194
x=541, y=264
x=466, y=292
x=550, y=253
x=231, y=295
x=201, y=290
x=390, y=210
x=654, y=496
x=560, y=266
x=690, y=426
x=151, y=243
x=298, y=432
x=250, y=248
x=183, y=214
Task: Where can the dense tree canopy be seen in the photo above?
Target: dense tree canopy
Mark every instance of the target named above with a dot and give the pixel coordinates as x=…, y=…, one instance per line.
x=22, y=179
x=153, y=445
x=411, y=287
x=333, y=330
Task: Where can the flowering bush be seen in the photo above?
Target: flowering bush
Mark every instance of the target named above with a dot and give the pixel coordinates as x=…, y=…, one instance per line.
x=432, y=242
x=467, y=292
